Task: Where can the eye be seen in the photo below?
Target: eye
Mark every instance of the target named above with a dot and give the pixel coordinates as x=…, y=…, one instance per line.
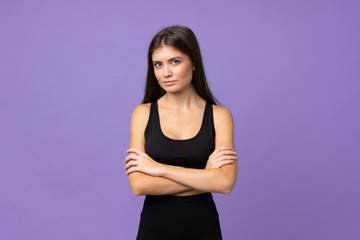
x=175, y=61
x=157, y=64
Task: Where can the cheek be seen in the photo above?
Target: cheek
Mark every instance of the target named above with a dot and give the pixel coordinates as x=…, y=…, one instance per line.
x=185, y=74
x=157, y=74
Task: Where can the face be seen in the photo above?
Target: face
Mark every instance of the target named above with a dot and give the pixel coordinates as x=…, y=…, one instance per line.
x=173, y=69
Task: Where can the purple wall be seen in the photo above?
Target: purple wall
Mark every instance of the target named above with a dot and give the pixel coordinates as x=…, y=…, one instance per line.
x=72, y=71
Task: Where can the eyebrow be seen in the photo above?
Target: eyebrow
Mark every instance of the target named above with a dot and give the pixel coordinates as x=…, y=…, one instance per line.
x=169, y=59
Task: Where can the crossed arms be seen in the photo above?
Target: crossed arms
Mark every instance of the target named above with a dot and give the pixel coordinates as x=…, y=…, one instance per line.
x=148, y=177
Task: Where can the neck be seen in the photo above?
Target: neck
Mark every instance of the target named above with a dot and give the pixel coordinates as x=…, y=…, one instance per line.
x=184, y=99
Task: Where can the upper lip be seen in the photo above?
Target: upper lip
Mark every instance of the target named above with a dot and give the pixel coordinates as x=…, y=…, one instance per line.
x=169, y=81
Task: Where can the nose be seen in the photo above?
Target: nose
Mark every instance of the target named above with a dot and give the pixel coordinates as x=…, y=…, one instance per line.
x=167, y=71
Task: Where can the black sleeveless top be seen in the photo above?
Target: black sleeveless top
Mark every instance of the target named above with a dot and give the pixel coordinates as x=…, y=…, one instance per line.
x=190, y=153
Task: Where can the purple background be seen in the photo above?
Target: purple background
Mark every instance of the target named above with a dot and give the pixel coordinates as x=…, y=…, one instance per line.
x=72, y=72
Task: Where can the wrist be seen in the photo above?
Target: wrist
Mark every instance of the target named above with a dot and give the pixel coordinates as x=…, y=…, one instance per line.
x=162, y=170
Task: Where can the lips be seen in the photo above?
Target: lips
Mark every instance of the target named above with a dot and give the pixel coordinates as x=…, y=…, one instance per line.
x=169, y=83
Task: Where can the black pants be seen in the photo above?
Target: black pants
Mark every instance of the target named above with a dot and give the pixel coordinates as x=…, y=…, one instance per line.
x=179, y=218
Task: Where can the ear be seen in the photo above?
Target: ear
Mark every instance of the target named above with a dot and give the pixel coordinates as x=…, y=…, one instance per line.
x=193, y=68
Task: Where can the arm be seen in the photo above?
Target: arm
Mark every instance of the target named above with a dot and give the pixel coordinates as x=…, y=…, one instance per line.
x=141, y=183
x=221, y=180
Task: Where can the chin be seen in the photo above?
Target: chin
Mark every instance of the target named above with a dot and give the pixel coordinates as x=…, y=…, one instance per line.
x=172, y=90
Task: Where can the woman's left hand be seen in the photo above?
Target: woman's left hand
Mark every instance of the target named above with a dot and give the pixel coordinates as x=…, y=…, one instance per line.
x=138, y=161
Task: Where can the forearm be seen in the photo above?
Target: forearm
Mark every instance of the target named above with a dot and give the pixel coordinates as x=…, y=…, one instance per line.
x=143, y=184
x=221, y=180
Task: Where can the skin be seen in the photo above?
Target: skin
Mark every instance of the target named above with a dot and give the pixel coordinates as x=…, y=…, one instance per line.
x=180, y=112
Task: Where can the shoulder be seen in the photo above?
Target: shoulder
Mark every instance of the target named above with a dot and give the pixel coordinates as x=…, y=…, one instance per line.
x=222, y=115
x=140, y=114
x=141, y=110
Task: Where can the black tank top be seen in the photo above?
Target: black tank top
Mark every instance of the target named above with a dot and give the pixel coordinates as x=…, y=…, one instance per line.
x=190, y=153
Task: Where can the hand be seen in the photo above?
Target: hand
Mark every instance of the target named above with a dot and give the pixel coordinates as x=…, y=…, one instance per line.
x=220, y=157
x=138, y=161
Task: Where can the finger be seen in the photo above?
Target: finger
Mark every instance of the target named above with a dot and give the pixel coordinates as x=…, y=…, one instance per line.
x=135, y=150
x=130, y=164
x=229, y=153
x=221, y=151
x=219, y=162
x=131, y=170
x=227, y=162
x=130, y=157
x=227, y=157
x=225, y=152
x=224, y=148
x=127, y=158
x=223, y=163
x=218, y=150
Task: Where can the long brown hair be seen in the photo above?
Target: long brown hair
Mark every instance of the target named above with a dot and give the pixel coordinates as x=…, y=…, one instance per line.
x=183, y=39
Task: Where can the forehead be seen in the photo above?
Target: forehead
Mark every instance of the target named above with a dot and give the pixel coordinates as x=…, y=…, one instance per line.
x=167, y=52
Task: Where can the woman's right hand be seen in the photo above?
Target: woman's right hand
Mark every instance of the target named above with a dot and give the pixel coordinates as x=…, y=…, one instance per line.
x=220, y=157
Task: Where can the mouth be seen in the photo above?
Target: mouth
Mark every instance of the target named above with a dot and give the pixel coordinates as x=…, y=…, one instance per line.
x=169, y=83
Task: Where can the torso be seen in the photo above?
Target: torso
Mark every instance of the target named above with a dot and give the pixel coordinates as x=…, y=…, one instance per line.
x=190, y=125
x=181, y=125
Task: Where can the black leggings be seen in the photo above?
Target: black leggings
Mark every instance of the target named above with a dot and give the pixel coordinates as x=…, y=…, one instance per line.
x=179, y=218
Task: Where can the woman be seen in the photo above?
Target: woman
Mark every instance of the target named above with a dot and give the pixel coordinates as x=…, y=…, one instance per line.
x=181, y=145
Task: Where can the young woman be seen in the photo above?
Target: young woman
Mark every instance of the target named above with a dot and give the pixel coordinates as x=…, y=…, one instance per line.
x=181, y=145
